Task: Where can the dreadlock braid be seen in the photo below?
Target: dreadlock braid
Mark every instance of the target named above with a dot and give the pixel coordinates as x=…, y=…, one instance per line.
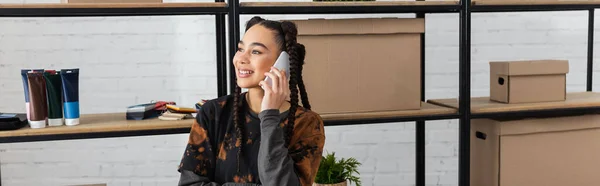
x=237, y=123
x=301, y=53
x=290, y=32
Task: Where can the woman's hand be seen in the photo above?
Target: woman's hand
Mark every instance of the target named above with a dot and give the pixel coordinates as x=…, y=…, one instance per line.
x=276, y=94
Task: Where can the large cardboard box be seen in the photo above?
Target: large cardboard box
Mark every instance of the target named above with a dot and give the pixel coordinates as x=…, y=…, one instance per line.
x=362, y=65
x=528, y=81
x=536, y=152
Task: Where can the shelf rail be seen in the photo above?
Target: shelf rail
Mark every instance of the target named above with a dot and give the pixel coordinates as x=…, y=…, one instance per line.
x=349, y=7
x=110, y=9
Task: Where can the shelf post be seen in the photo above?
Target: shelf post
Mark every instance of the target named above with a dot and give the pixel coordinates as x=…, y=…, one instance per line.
x=234, y=38
x=590, y=52
x=420, y=125
x=221, y=53
x=464, y=101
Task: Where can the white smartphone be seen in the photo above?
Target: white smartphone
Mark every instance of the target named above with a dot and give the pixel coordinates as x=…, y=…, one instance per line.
x=282, y=63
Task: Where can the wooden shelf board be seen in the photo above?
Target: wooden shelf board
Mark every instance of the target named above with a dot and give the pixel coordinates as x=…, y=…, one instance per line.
x=93, y=123
x=116, y=5
x=481, y=105
x=536, y=2
x=116, y=122
x=427, y=109
x=347, y=3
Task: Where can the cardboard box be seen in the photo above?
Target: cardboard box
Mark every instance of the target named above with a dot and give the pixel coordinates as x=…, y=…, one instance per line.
x=111, y=1
x=362, y=65
x=528, y=81
x=536, y=152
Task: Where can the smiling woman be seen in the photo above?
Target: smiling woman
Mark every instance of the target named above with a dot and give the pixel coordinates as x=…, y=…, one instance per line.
x=263, y=136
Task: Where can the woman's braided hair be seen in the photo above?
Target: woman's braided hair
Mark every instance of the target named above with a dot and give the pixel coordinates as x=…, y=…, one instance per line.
x=285, y=36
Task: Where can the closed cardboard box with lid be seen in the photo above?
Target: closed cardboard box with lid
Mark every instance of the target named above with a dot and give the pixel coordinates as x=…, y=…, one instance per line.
x=528, y=81
x=362, y=65
x=536, y=152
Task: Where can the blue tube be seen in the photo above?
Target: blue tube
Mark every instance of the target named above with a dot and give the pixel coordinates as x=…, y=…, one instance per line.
x=26, y=88
x=70, y=85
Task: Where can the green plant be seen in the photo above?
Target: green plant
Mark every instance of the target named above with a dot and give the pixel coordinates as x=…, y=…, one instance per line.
x=332, y=171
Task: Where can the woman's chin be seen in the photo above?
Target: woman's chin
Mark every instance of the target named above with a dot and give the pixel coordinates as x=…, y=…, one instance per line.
x=247, y=85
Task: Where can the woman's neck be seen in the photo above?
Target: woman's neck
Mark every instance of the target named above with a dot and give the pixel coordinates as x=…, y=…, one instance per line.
x=255, y=97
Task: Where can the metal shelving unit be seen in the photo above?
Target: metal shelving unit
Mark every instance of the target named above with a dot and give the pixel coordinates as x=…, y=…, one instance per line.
x=468, y=107
x=219, y=8
x=418, y=7
x=462, y=109
x=465, y=8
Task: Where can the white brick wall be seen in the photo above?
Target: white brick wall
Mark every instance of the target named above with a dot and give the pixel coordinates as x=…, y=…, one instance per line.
x=129, y=60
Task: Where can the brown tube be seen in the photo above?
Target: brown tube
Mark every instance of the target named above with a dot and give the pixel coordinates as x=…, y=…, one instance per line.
x=37, y=100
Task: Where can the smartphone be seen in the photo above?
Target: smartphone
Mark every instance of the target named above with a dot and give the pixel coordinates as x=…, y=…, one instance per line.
x=282, y=63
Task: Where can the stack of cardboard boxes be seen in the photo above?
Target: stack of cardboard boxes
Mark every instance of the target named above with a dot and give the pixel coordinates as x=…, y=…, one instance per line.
x=555, y=151
x=373, y=65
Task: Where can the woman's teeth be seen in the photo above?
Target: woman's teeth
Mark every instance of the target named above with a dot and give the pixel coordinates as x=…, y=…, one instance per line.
x=245, y=72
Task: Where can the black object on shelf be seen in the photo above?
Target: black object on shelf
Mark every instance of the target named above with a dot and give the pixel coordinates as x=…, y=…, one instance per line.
x=145, y=111
x=12, y=121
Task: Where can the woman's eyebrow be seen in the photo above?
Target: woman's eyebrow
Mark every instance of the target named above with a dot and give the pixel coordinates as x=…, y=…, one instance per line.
x=260, y=44
x=255, y=44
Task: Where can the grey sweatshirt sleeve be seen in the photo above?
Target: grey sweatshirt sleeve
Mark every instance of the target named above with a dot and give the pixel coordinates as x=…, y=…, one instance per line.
x=188, y=178
x=275, y=166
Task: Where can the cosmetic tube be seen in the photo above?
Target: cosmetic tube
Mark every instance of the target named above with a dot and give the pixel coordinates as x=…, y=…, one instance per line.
x=70, y=85
x=37, y=100
x=26, y=88
x=54, y=91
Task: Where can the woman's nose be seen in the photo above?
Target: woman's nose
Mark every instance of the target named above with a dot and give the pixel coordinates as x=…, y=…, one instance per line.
x=242, y=58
